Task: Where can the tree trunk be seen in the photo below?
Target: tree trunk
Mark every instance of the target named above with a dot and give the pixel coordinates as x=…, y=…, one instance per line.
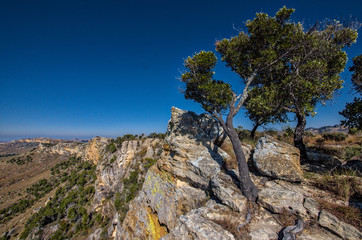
x=252, y=133
x=247, y=186
x=298, y=137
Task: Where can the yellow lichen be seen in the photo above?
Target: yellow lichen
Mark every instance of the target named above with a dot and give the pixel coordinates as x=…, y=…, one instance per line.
x=155, y=230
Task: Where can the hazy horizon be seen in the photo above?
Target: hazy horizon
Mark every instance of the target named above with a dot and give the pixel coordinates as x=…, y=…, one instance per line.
x=108, y=68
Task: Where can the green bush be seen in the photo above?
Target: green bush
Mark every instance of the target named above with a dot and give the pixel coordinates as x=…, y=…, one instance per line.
x=150, y=162
x=334, y=136
x=352, y=151
x=111, y=147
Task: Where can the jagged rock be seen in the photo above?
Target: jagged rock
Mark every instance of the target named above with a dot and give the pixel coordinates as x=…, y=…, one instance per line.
x=323, y=159
x=194, y=156
x=312, y=207
x=317, y=234
x=264, y=226
x=277, y=159
x=278, y=198
x=168, y=198
x=229, y=194
x=344, y=230
x=193, y=226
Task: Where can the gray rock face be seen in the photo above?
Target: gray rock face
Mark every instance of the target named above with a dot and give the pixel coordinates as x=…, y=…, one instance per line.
x=277, y=159
x=323, y=159
x=194, y=156
x=228, y=193
x=174, y=202
x=194, y=226
x=343, y=229
x=278, y=198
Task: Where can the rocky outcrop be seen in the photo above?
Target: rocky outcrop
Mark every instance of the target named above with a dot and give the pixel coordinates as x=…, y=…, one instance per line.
x=323, y=159
x=192, y=190
x=277, y=159
x=342, y=229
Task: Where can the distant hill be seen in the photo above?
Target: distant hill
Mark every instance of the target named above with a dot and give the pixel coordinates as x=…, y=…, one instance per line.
x=335, y=128
x=48, y=140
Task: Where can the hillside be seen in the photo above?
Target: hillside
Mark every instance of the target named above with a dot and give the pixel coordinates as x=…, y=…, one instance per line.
x=182, y=187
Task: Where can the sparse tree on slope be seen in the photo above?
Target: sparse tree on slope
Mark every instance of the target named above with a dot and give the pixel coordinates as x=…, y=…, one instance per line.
x=353, y=111
x=252, y=56
x=312, y=71
x=302, y=65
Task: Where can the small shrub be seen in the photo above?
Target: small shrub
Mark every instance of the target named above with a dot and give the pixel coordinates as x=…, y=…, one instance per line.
x=113, y=159
x=341, y=185
x=117, y=201
x=334, y=136
x=352, y=151
x=150, y=162
x=111, y=147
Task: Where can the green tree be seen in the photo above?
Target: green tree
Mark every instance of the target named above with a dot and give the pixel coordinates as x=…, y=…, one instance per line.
x=302, y=66
x=357, y=73
x=253, y=56
x=353, y=111
x=312, y=71
x=308, y=73
x=353, y=114
x=264, y=106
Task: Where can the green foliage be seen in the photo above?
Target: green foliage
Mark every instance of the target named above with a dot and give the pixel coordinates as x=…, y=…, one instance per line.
x=21, y=160
x=131, y=186
x=357, y=75
x=335, y=136
x=149, y=162
x=264, y=106
x=126, y=137
x=352, y=151
x=111, y=148
x=157, y=135
x=117, y=201
x=68, y=206
x=213, y=95
x=113, y=159
x=353, y=114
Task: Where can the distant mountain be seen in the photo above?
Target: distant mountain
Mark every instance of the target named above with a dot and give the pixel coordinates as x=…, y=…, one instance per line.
x=335, y=128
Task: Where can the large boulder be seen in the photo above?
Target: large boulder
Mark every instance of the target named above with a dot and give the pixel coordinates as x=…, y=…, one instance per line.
x=277, y=160
x=323, y=159
x=344, y=230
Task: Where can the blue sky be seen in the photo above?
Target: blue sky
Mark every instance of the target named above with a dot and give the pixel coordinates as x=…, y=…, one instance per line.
x=86, y=68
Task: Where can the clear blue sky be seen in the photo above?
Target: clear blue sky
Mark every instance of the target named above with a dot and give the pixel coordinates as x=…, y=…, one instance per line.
x=86, y=68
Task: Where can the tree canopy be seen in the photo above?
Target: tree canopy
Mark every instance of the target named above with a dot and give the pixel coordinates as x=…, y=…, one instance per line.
x=276, y=59
x=353, y=111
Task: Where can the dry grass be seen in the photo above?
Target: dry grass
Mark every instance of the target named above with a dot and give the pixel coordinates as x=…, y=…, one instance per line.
x=343, y=185
x=286, y=218
x=230, y=225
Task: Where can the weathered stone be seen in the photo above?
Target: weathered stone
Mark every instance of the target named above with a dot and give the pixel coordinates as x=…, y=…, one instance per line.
x=276, y=198
x=312, y=207
x=344, y=230
x=317, y=234
x=194, y=156
x=224, y=189
x=277, y=159
x=323, y=159
x=263, y=226
x=193, y=226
